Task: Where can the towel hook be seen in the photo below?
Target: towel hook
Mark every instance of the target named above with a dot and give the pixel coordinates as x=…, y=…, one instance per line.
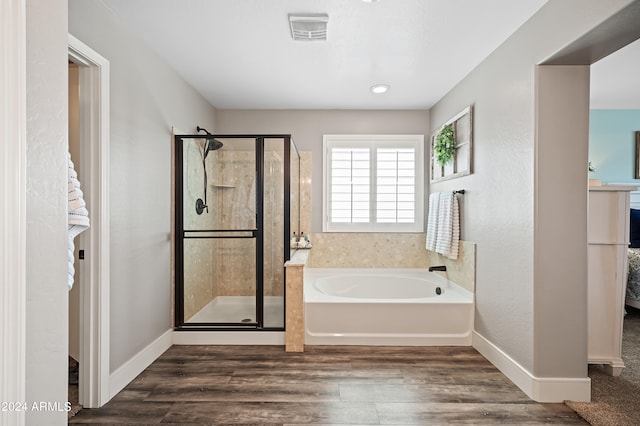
x=459, y=191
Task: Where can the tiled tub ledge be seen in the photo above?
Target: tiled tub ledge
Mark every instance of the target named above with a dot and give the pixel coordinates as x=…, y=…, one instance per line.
x=294, y=314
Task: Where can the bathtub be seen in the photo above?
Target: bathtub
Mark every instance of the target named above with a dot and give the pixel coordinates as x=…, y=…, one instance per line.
x=395, y=307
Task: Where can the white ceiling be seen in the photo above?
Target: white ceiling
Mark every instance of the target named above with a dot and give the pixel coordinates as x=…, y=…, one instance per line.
x=239, y=53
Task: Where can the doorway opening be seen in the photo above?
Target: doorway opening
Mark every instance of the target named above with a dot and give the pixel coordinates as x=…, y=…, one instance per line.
x=74, y=292
x=93, y=271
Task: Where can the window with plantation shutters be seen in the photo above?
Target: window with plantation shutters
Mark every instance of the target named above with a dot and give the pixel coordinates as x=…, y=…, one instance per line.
x=373, y=183
x=350, y=185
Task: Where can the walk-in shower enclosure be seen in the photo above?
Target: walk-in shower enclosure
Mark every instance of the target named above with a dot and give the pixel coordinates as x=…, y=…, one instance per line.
x=237, y=204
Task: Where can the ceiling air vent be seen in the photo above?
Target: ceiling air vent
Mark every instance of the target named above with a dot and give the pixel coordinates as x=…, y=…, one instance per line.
x=309, y=27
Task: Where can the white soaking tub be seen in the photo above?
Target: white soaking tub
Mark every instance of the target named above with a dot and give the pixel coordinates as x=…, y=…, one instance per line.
x=394, y=307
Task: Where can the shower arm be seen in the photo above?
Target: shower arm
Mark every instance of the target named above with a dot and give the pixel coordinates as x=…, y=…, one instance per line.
x=204, y=167
x=205, y=151
x=210, y=144
x=200, y=204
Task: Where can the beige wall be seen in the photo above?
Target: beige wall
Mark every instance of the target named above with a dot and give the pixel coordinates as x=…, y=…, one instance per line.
x=147, y=98
x=46, y=209
x=521, y=304
x=308, y=126
x=349, y=250
x=560, y=235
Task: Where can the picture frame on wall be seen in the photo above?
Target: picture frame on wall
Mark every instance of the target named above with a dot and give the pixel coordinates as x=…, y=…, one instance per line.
x=462, y=161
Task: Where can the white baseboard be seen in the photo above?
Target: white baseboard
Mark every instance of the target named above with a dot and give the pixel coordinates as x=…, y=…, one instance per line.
x=381, y=339
x=540, y=389
x=228, y=338
x=127, y=372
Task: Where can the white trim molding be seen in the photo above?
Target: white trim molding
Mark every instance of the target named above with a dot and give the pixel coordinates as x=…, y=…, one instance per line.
x=94, y=296
x=540, y=389
x=125, y=374
x=13, y=147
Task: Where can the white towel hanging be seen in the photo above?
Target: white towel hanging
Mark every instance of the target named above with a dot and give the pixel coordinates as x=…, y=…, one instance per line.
x=432, y=221
x=443, y=226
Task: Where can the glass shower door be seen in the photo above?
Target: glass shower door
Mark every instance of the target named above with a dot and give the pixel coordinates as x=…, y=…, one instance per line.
x=219, y=233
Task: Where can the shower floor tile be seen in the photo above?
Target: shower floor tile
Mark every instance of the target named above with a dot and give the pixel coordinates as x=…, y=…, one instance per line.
x=241, y=309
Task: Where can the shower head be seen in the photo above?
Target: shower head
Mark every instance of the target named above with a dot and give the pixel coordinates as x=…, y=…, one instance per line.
x=210, y=144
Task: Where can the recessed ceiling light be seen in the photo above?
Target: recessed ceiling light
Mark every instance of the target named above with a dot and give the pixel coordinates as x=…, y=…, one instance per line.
x=379, y=88
x=369, y=1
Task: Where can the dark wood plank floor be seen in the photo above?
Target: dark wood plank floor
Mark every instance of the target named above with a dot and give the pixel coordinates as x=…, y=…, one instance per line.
x=324, y=385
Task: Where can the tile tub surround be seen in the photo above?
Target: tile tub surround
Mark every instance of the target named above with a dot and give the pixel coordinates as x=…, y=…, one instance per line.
x=461, y=271
x=305, y=191
x=389, y=250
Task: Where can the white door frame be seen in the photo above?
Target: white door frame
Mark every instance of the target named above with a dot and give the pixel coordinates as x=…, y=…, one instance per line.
x=94, y=293
x=13, y=230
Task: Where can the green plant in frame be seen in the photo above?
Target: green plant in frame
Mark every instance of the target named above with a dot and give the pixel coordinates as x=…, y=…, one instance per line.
x=445, y=145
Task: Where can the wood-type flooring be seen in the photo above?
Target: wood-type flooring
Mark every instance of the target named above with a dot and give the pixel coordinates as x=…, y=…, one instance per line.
x=327, y=385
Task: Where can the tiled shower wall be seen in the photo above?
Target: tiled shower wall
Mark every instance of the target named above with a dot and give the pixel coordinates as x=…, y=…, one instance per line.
x=226, y=267
x=199, y=261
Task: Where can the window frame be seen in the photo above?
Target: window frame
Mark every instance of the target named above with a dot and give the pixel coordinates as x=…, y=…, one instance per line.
x=373, y=142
